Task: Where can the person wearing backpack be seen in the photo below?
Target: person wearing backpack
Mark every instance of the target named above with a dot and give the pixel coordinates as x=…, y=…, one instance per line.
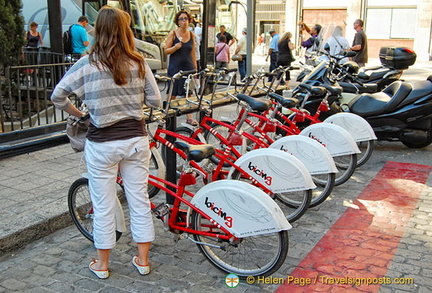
x=79, y=36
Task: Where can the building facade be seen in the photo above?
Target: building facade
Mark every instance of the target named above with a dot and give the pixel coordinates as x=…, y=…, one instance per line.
x=387, y=22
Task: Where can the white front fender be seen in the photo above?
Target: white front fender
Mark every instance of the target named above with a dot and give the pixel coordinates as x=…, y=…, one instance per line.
x=278, y=171
x=311, y=153
x=241, y=208
x=356, y=125
x=336, y=139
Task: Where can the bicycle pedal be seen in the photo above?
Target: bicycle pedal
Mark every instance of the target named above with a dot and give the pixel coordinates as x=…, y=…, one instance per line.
x=161, y=210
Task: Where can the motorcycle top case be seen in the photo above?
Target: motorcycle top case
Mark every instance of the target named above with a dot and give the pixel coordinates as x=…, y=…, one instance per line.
x=397, y=57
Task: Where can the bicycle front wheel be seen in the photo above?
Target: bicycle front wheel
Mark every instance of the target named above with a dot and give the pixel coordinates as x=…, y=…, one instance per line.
x=81, y=207
x=346, y=166
x=260, y=255
x=366, y=149
x=294, y=203
x=325, y=184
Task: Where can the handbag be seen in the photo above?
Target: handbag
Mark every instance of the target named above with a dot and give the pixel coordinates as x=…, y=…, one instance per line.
x=76, y=131
x=237, y=57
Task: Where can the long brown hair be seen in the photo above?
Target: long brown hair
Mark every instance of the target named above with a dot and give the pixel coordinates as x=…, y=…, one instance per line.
x=285, y=36
x=114, y=45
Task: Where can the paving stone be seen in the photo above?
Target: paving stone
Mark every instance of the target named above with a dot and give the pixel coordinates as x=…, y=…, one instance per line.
x=58, y=262
x=13, y=284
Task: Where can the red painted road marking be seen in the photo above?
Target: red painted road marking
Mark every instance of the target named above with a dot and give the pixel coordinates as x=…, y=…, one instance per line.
x=363, y=241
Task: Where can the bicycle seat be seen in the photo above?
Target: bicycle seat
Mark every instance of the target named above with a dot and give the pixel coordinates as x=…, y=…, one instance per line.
x=285, y=102
x=196, y=153
x=256, y=104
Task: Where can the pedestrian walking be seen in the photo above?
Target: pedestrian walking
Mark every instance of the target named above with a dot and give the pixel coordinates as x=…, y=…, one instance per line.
x=222, y=53
x=285, y=55
x=241, y=51
x=273, y=51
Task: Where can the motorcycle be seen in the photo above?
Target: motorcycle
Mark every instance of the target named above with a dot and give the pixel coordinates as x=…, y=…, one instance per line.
x=355, y=80
x=401, y=112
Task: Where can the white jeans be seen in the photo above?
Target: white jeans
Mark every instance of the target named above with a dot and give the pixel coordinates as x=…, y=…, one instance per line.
x=103, y=161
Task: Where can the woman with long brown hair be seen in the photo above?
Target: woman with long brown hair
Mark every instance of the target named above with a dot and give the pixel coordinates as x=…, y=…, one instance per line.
x=285, y=55
x=114, y=81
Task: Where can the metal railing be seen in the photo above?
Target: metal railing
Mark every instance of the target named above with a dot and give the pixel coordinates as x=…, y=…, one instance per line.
x=25, y=101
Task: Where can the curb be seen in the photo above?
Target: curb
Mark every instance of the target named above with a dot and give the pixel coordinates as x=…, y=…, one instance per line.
x=21, y=238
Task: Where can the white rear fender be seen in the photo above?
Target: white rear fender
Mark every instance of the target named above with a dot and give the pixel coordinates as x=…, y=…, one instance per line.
x=278, y=171
x=119, y=217
x=241, y=208
x=336, y=139
x=160, y=171
x=311, y=153
x=357, y=126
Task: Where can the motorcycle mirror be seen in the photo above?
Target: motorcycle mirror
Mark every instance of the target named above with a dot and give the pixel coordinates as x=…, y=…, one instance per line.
x=327, y=47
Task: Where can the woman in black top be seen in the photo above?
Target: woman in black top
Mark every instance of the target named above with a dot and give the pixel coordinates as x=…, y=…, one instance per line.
x=285, y=55
x=34, y=37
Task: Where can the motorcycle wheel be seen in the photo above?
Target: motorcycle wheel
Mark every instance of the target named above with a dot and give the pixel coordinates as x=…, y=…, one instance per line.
x=418, y=144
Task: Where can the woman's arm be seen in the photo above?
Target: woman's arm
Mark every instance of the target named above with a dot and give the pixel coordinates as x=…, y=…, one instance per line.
x=41, y=40
x=169, y=47
x=193, y=51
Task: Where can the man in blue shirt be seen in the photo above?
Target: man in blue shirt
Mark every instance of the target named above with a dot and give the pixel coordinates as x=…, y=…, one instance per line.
x=273, y=51
x=80, y=39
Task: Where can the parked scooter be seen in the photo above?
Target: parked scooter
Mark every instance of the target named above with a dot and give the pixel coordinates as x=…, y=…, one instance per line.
x=401, y=112
x=357, y=80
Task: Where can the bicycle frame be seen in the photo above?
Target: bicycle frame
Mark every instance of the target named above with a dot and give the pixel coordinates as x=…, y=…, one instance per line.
x=224, y=157
x=175, y=211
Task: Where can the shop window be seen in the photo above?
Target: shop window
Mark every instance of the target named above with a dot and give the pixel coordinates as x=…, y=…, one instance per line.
x=391, y=23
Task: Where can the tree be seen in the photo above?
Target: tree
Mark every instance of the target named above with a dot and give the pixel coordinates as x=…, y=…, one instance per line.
x=11, y=33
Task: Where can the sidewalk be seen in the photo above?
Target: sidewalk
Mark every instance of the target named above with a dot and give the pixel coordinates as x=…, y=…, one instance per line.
x=376, y=224
x=33, y=187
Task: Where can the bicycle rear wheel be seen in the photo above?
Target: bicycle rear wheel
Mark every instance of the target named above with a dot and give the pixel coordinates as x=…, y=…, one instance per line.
x=211, y=138
x=187, y=132
x=260, y=255
x=157, y=168
x=81, y=207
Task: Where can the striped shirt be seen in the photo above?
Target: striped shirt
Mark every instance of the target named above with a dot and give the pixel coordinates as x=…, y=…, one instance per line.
x=107, y=102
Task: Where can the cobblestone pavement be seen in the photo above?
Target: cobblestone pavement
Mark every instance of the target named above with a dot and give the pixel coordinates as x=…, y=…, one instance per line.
x=41, y=251
x=58, y=262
